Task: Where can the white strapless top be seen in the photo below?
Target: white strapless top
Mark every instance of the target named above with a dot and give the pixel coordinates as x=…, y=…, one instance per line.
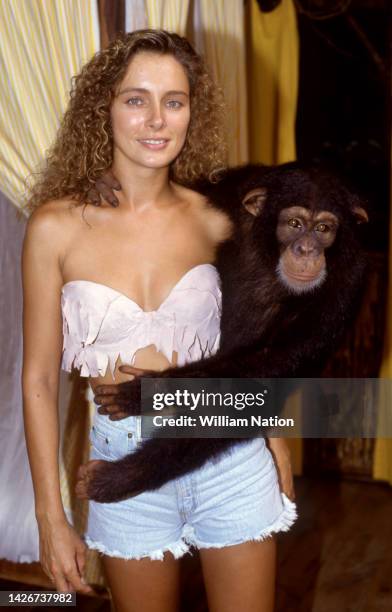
x=101, y=324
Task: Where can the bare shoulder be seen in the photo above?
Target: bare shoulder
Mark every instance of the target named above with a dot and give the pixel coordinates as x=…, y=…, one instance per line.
x=217, y=223
x=51, y=221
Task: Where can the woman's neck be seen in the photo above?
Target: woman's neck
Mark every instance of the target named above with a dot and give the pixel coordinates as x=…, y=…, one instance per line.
x=142, y=187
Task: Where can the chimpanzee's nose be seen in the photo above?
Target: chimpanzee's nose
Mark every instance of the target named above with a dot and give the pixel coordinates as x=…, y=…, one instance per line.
x=303, y=249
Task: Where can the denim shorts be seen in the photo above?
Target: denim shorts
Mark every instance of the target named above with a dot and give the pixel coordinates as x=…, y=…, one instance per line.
x=229, y=501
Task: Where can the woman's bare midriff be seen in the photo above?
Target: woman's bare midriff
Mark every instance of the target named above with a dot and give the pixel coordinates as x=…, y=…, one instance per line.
x=146, y=358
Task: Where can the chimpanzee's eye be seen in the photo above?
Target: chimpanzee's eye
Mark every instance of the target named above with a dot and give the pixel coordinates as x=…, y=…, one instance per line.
x=322, y=227
x=294, y=223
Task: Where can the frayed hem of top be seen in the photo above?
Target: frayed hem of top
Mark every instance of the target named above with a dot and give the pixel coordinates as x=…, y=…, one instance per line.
x=283, y=523
x=177, y=549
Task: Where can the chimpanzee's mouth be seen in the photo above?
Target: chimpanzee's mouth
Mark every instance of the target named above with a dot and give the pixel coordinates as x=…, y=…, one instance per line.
x=302, y=278
x=297, y=282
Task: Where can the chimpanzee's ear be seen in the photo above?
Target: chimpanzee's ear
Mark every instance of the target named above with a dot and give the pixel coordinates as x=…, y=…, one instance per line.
x=360, y=214
x=254, y=200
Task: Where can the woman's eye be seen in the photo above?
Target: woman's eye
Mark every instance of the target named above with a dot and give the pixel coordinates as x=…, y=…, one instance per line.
x=174, y=104
x=135, y=101
x=294, y=223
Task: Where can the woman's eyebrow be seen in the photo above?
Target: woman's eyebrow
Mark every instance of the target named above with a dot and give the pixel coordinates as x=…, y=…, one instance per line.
x=177, y=93
x=145, y=91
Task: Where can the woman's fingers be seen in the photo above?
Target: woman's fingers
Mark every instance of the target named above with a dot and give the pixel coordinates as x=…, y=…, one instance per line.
x=62, y=556
x=61, y=583
x=80, y=558
x=74, y=579
x=286, y=481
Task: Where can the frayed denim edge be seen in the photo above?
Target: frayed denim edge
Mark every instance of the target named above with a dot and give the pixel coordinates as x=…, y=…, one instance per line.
x=178, y=549
x=283, y=523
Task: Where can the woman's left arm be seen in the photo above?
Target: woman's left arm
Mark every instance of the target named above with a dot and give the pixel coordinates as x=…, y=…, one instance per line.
x=282, y=458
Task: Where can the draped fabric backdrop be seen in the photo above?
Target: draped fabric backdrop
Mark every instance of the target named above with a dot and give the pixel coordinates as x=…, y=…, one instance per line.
x=219, y=35
x=273, y=64
x=135, y=15
x=18, y=529
x=42, y=45
x=169, y=15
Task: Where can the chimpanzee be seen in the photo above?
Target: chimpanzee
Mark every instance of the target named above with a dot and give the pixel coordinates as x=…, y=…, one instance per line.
x=290, y=273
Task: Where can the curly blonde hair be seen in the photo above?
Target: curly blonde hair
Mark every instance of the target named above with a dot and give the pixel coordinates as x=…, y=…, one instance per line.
x=83, y=149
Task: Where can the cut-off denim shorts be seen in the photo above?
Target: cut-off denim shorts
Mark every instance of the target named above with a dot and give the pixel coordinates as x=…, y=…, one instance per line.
x=225, y=502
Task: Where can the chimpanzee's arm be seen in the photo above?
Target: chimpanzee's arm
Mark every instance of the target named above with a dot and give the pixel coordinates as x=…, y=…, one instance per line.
x=152, y=465
x=158, y=461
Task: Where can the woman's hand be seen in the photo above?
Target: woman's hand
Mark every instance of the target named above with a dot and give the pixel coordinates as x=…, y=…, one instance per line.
x=63, y=556
x=281, y=455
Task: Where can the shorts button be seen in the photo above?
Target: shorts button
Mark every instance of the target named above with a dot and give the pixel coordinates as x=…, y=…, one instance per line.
x=107, y=441
x=130, y=434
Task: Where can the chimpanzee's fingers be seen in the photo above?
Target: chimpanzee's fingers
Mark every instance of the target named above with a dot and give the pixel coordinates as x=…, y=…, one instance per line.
x=127, y=369
x=106, y=192
x=111, y=180
x=122, y=402
x=118, y=416
x=112, y=409
x=93, y=196
x=106, y=390
x=107, y=400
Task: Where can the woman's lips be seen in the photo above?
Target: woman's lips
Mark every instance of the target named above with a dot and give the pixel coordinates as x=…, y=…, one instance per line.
x=154, y=144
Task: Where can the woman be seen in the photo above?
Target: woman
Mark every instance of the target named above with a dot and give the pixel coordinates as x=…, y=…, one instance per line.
x=135, y=285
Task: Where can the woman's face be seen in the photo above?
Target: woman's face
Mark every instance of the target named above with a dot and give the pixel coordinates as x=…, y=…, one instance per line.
x=151, y=111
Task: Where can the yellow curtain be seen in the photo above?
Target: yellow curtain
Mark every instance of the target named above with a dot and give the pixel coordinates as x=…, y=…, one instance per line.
x=219, y=35
x=272, y=82
x=382, y=464
x=169, y=15
x=42, y=45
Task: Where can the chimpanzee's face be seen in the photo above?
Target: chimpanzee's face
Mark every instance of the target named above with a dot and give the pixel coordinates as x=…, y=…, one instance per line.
x=303, y=236
x=304, y=233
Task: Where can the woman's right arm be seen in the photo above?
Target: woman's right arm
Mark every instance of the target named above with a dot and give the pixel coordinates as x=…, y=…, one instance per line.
x=62, y=551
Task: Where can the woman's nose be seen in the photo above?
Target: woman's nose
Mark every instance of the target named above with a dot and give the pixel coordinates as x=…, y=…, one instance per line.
x=155, y=120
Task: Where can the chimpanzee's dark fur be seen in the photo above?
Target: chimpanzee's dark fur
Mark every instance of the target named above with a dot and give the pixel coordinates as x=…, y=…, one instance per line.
x=265, y=330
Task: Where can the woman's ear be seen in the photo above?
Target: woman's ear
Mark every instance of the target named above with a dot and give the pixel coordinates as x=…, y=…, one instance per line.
x=254, y=200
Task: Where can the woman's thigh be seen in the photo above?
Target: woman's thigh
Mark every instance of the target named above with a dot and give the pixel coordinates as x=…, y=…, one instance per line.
x=143, y=585
x=240, y=577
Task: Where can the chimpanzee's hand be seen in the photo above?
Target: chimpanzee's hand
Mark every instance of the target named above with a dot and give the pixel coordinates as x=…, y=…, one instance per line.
x=119, y=401
x=103, y=188
x=122, y=400
x=111, y=481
